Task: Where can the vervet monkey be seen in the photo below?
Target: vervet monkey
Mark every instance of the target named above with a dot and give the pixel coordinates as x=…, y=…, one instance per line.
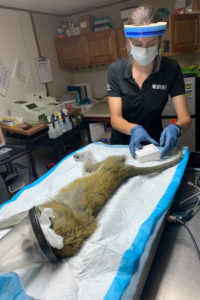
x=77, y=204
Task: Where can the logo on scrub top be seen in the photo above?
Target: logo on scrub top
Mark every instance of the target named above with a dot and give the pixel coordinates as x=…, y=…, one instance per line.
x=159, y=86
x=108, y=87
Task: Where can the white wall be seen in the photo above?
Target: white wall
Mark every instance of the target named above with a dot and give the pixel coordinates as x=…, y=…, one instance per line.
x=17, y=41
x=46, y=28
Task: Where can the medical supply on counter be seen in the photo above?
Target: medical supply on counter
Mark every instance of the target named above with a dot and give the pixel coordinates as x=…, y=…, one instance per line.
x=56, y=125
x=68, y=123
x=147, y=153
x=61, y=123
x=67, y=98
x=8, y=123
x=50, y=103
x=29, y=111
x=52, y=132
x=11, y=121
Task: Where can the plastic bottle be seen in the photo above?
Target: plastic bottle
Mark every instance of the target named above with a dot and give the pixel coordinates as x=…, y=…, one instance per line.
x=57, y=126
x=68, y=123
x=51, y=132
x=60, y=121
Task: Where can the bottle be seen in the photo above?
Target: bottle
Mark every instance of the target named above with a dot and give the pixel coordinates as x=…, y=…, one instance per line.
x=51, y=132
x=57, y=126
x=60, y=121
x=68, y=124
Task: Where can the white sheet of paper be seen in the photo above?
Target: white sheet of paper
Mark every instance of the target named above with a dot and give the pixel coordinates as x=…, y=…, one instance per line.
x=4, y=78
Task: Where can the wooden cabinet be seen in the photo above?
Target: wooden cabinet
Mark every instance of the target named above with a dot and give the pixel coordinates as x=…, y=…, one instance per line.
x=121, y=43
x=88, y=50
x=182, y=34
x=106, y=46
x=102, y=47
x=72, y=52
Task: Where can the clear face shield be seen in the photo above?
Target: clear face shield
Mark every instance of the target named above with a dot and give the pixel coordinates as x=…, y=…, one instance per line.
x=146, y=43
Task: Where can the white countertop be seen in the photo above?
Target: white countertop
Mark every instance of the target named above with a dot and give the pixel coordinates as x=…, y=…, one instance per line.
x=98, y=110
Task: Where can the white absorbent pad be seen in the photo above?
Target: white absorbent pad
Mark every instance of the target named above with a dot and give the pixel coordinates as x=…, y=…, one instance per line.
x=104, y=266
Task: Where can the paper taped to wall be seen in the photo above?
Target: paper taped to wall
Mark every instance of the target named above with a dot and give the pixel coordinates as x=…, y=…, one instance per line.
x=4, y=78
x=44, y=70
x=22, y=70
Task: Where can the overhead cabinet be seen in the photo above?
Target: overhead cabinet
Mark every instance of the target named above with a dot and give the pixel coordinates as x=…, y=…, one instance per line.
x=101, y=47
x=91, y=49
x=106, y=46
x=72, y=52
x=183, y=33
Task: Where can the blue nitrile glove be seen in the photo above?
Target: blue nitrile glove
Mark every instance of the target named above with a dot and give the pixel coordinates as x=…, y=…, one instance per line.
x=138, y=135
x=168, y=139
x=11, y=288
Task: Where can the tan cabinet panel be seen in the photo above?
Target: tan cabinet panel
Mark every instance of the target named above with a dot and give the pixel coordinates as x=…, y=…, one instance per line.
x=72, y=52
x=184, y=32
x=121, y=43
x=102, y=47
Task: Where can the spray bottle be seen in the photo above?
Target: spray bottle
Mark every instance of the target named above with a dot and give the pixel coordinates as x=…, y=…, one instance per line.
x=60, y=121
x=57, y=126
x=51, y=132
x=68, y=123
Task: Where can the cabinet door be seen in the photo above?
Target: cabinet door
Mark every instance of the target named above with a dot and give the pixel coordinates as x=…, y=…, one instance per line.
x=72, y=52
x=102, y=47
x=184, y=32
x=121, y=43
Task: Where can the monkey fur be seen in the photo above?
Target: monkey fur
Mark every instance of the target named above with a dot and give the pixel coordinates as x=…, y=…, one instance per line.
x=77, y=204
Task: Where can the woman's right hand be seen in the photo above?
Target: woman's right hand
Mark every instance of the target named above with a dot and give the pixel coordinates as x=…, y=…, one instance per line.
x=138, y=135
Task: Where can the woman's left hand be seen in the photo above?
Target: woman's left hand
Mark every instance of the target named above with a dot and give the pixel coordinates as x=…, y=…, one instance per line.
x=168, y=139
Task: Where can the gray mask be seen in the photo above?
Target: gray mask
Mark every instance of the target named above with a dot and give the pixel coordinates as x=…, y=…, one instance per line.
x=144, y=56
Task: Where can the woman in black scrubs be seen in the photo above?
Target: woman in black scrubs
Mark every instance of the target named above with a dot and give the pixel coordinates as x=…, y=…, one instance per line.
x=139, y=86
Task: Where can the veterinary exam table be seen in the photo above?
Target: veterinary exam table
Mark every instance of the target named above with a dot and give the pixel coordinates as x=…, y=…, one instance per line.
x=114, y=261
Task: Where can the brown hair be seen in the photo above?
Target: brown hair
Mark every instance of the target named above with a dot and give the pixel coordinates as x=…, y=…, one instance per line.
x=144, y=14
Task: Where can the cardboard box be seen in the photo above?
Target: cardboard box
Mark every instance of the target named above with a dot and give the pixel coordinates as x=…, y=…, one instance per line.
x=85, y=24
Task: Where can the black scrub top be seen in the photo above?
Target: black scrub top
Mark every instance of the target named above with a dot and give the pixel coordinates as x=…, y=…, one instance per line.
x=143, y=106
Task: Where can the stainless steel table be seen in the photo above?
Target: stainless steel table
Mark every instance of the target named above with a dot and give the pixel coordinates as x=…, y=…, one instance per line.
x=175, y=272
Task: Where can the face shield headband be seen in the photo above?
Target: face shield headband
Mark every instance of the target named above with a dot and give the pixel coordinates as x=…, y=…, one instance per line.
x=150, y=30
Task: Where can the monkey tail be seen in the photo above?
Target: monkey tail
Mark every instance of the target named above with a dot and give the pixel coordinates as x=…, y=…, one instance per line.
x=158, y=168
x=163, y=166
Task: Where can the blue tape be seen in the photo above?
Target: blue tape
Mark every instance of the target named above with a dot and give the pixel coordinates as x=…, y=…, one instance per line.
x=131, y=257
